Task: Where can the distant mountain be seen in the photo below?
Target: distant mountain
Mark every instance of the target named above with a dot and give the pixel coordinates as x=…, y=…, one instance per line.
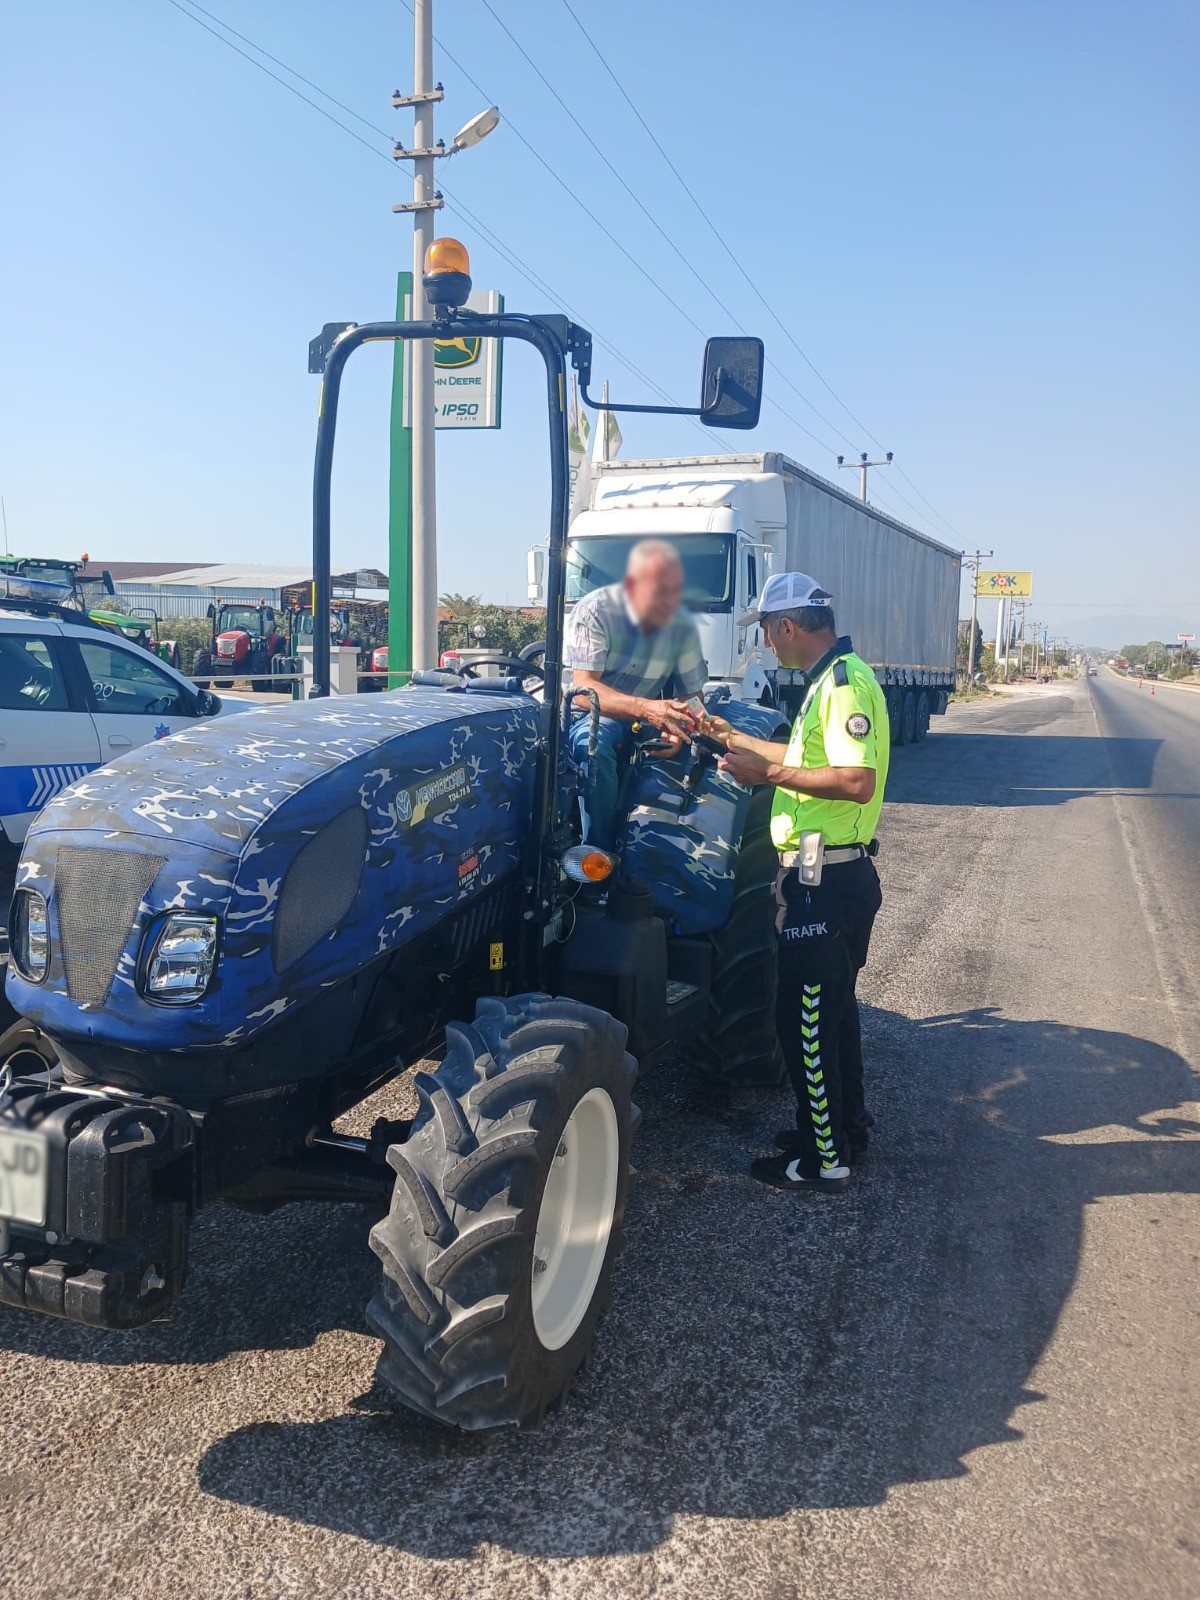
x=1097, y=631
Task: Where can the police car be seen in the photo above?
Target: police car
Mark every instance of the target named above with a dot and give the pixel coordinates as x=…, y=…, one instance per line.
x=73, y=696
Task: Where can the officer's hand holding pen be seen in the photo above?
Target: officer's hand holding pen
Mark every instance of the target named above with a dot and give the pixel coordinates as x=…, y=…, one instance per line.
x=743, y=762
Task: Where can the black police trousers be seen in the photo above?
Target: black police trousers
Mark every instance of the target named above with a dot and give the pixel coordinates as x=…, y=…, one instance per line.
x=824, y=930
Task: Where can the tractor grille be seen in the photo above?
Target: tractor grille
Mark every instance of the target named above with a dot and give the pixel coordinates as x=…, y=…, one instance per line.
x=98, y=893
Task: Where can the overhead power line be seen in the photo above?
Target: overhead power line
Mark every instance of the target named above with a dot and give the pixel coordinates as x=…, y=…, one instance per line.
x=729, y=251
x=658, y=227
x=456, y=205
x=638, y=265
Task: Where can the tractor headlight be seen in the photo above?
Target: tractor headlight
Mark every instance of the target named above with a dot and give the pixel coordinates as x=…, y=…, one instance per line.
x=29, y=935
x=182, y=959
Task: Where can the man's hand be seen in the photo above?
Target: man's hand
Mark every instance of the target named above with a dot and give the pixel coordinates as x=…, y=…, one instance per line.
x=675, y=718
x=716, y=728
x=742, y=761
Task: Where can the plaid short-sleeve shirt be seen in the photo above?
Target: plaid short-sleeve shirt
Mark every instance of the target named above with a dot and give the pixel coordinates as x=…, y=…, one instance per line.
x=602, y=637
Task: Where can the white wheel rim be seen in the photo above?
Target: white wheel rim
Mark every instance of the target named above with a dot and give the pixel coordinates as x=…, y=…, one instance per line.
x=575, y=1219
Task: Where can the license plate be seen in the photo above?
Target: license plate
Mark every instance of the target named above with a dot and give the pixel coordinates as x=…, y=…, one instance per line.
x=23, y=1167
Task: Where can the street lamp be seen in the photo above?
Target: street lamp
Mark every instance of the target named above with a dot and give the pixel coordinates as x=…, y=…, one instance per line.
x=471, y=133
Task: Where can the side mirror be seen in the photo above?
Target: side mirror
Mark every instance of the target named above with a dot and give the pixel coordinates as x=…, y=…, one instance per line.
x=211, y=612
x=535, y=567
x=207, y=704
x=731, y=389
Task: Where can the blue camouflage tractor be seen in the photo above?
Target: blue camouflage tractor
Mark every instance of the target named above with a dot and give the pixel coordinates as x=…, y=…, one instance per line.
x=223, y=941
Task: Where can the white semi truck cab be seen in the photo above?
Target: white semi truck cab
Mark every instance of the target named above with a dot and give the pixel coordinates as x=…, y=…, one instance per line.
x=737, y=519
x=727, y=529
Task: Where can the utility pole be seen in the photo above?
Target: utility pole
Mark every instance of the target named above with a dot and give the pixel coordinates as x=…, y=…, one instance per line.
x=861, y=466
x=1004, y=636
x=425, y=202
x=972, y=564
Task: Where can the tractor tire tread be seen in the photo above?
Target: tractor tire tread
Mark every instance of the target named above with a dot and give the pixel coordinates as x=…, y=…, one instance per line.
x=454, y=1309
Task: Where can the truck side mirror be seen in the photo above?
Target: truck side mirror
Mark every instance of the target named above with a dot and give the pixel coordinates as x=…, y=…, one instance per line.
x=211, y=612
x=535, y=566
x=731, y=389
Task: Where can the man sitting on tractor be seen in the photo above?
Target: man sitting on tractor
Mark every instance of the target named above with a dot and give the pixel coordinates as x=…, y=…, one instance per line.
x=628, y=642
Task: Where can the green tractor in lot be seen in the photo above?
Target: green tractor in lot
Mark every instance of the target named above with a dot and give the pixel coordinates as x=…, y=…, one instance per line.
x=223, y=941
x=142, y=625
x=70, y=583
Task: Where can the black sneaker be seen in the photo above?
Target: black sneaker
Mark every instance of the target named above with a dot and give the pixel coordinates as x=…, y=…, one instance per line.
x=782, y=1173
x=788, y=1140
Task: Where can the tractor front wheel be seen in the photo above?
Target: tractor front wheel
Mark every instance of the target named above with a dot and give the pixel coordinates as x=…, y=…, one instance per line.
x=202, y=665
x=25, y=1050
x=506, y=1213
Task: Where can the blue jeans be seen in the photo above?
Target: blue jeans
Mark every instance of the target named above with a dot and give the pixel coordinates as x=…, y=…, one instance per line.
x=603, y=771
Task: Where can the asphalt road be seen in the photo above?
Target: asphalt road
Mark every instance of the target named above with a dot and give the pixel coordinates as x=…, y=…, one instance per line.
x=976, y=1374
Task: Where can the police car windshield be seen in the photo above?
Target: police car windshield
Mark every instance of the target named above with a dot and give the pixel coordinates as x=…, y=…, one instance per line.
x=707, y=558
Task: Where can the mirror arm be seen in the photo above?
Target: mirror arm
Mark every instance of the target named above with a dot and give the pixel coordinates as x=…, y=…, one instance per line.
x=661, y=411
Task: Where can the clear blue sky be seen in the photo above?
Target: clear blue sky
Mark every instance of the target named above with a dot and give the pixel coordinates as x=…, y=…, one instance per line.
x=980, y=223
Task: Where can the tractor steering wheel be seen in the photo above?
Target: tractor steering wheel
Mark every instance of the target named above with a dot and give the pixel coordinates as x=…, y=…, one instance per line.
x=511, y=666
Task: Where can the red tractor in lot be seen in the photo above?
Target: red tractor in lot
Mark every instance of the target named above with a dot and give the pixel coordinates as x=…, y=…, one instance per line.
x=245, y=641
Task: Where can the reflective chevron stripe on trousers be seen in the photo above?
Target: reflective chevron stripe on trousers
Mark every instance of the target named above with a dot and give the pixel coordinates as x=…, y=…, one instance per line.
x=814, y=1078
x=824, y=932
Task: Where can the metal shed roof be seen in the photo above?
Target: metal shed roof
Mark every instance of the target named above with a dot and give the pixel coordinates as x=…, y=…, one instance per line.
x=232, y=576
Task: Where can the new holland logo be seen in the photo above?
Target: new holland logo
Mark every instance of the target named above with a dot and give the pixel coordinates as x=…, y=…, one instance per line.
x=460, y=352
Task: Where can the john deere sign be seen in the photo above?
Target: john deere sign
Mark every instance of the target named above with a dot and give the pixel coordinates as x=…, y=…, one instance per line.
x=466, y=374
x=456, y=353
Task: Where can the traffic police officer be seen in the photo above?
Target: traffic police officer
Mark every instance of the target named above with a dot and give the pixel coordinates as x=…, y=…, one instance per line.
x=829, y=780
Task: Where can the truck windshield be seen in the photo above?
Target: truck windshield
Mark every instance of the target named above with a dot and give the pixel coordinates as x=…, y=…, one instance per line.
x=707, y=566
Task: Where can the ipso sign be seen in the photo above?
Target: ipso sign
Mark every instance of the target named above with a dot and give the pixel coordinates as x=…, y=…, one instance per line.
x=467, y=374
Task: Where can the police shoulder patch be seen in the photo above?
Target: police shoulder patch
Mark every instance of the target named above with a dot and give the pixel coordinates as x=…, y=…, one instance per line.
x=859, y=725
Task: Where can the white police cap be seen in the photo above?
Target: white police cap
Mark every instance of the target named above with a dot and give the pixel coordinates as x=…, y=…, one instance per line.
x=786, y=591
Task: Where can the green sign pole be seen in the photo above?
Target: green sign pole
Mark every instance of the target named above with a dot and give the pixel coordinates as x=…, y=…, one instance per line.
x=400, y=512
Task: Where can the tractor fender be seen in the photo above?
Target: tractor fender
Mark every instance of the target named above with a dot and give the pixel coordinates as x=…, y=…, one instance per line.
x=683, y=828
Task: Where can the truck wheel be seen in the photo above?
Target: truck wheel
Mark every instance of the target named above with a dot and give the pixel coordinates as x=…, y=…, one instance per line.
x=908, y=718
x=921, y=722
x=202, y=665
x=506, y=1213
x=738, y=1046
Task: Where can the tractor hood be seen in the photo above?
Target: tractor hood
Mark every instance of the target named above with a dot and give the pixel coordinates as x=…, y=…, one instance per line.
x=233, y=642
x=319, y=836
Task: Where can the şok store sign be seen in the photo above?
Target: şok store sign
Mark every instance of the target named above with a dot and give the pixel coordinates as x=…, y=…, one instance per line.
x=1000, y=585
x=467, y=374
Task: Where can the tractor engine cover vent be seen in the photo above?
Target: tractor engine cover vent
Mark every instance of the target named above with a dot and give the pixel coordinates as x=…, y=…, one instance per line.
x=320, y=886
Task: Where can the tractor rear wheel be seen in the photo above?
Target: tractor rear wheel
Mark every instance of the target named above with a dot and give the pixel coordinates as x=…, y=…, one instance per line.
x=738, y=1047
x=259, y=663
x=506, y=1213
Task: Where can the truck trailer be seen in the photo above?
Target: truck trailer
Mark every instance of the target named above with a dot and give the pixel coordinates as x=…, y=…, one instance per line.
x=734, y=520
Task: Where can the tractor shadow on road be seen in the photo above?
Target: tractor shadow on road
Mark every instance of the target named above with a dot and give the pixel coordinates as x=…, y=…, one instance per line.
x=768, y=1354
